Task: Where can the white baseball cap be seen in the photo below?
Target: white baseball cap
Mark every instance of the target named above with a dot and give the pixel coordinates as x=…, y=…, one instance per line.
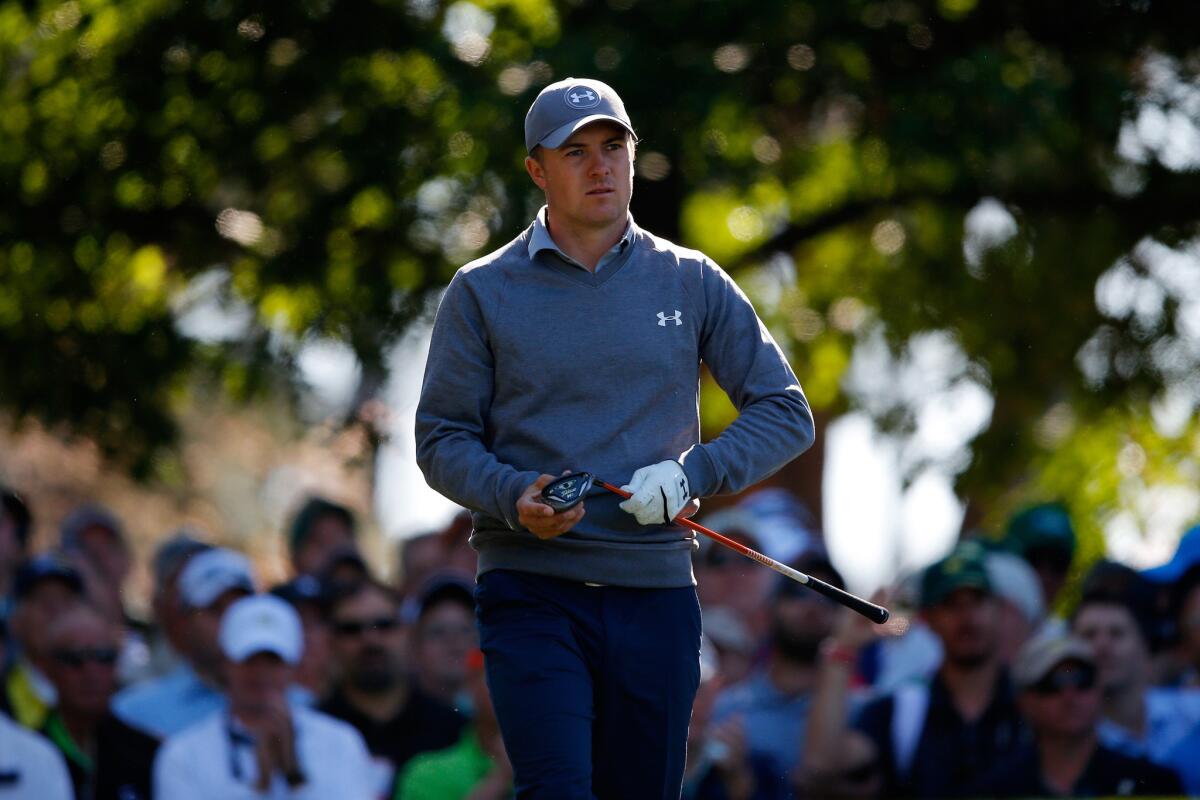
x=210, y=574
x=261, y=624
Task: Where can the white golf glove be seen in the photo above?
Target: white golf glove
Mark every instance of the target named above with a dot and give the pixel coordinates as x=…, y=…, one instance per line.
x=659, y=491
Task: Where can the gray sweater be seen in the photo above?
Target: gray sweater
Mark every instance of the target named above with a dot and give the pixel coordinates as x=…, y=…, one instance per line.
x=537, y=366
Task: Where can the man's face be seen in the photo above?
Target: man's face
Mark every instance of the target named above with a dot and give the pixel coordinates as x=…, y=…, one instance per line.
x=82, y=664
x=966, y=621
x=443, y=638
x=48, y=600
x=326, y=534
x=1121, y=656
x=589, y=180
x=1064, y=704
x=258, y=684
x=368, y=642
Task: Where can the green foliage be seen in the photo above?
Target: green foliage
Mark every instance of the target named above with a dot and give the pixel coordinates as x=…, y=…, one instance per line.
x=338, y=161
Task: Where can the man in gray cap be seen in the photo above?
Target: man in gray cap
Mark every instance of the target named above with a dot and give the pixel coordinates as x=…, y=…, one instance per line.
x=578, y=346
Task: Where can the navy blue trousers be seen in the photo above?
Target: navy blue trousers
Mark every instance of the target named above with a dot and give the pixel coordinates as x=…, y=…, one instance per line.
x=592, y=685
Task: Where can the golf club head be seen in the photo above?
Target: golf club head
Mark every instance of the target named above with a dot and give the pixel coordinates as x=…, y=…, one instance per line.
x=568, y=491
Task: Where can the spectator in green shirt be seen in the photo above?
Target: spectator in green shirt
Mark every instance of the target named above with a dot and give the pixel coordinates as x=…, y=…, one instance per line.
x=475, y=768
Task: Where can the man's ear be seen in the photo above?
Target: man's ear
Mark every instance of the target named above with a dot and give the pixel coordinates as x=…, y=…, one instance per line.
x=536, y=171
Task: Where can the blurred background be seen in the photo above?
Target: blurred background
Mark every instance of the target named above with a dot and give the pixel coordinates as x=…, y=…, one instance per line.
x=224, y=227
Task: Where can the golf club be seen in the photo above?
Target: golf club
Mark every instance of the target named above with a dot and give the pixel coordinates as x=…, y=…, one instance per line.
x=570, y=490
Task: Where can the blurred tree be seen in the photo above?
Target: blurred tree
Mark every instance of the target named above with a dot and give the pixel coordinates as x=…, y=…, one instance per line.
x=872, y=172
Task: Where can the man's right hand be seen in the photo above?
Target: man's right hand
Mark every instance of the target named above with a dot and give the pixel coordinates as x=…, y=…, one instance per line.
x=539, y=518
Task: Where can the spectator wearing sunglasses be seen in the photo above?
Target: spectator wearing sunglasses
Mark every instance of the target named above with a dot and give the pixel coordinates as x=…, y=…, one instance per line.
x=1059, y=695
x=1116, y=617
x=374, y=693
x=107, y=759
x=262, y=745
x=46, y=586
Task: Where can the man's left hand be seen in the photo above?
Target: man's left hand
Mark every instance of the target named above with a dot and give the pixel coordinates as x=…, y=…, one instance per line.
x=659, y=492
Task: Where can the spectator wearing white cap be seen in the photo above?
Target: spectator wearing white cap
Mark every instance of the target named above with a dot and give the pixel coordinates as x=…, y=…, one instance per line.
x=262, y=746
x=210, y=583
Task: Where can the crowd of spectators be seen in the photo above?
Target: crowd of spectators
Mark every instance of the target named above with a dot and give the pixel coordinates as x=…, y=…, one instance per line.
x=338, y=684
x=332, y=684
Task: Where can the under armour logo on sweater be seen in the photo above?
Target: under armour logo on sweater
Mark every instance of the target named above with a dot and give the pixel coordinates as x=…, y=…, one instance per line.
x=662, y=318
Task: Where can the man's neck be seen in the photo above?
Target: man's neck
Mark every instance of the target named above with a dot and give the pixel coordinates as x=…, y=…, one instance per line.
x=1063, y=759
x=379, y=706
x=971, y=686
x=585, y=245
x=1127, y=708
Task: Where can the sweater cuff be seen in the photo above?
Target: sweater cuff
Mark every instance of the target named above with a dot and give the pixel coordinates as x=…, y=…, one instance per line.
x=517, y=485
x=701, y=474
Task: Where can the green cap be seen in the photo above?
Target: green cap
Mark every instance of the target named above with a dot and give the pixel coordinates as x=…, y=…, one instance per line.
x=1041, y=527
x=964, y=568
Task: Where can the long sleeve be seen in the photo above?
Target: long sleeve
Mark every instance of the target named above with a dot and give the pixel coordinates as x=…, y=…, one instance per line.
x=774, y=424
x=452, y=415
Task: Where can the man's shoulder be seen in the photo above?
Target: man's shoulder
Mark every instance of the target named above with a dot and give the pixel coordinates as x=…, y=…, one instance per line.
x=513, y=254
x=683, y=255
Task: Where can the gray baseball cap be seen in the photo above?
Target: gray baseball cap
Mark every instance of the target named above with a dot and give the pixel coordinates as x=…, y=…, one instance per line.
x=1045, y=651
x=566, y=106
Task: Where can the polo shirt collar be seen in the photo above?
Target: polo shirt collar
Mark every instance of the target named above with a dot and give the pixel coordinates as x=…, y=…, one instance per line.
x=540, y=239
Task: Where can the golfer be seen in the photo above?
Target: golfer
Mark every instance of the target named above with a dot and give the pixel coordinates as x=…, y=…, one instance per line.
x=577, y=346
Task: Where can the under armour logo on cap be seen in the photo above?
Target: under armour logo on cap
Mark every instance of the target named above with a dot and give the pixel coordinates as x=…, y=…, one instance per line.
x=581, y=97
